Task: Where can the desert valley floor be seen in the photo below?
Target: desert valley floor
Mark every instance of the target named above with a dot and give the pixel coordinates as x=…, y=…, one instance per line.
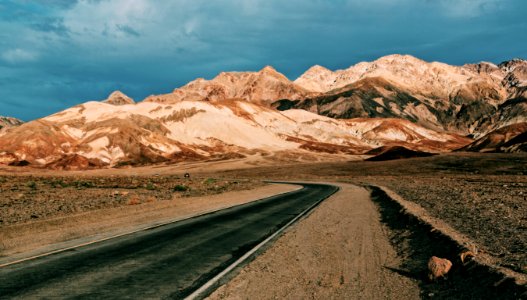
x=482, y=196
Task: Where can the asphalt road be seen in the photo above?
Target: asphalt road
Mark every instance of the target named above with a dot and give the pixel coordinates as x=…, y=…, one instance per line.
x=170, y=261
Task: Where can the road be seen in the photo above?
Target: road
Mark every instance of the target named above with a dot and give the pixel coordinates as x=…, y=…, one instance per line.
x=340, y=251
x=170, y=261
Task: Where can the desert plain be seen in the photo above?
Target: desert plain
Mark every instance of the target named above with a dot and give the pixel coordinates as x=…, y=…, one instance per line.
x=480, y=195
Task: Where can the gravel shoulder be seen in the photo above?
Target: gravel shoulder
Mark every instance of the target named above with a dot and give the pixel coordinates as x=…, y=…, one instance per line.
x=33, y=238
x=339, y=250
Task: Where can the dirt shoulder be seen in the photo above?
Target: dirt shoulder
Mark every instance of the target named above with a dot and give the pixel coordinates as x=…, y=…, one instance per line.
x=339, y=250
x=28, y=239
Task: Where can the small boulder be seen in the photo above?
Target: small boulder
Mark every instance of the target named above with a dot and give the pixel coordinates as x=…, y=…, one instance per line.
x=438, y=267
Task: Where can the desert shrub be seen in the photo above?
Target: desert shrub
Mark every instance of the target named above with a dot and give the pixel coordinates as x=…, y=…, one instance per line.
x=209, y=181
x=150, y=186
x=57, y=183
x=83, y=184
x=32, y=185
x=181, y=188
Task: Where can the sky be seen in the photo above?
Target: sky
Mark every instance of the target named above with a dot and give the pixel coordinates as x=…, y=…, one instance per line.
x=55, y=54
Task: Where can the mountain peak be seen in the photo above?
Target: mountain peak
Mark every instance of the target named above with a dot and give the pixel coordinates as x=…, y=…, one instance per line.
x=513, y=62
x=394, y=58
x=319, y=68
x=264, y=86
x=316, y=78
x=272, y=72
x=315, y=70
x=118, y=98
x=268, y=69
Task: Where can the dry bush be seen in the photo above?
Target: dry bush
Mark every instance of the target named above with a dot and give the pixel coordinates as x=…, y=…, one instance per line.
x=133, y=200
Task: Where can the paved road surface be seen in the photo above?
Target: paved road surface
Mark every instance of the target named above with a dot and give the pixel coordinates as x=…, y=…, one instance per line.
x=165, y=262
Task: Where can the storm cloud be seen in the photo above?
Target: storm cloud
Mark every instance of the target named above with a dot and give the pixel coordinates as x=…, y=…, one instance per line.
x=62, y=53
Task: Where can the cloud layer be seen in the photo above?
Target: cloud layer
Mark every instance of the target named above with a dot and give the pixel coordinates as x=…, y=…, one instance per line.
x=65, y=52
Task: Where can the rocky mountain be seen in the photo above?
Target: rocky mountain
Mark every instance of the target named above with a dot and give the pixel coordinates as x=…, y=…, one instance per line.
x=468, y=100
x=399, y=104
x=8, y=122
x=96, y=134
x=264, y=86
x=510, y=138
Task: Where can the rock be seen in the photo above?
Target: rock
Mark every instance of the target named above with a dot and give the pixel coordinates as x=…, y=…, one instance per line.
x=438, y=267
x=466, y=256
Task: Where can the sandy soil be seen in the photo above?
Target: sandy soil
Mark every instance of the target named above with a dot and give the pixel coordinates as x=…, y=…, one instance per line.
x=338, y=251
x=32, y=238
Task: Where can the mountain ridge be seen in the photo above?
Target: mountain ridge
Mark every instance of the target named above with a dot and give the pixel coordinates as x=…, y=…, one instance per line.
x=264, y=86
x=395, y=101
x=100, y=134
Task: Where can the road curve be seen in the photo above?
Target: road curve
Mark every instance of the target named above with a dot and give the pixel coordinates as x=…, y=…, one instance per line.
x=169, y=261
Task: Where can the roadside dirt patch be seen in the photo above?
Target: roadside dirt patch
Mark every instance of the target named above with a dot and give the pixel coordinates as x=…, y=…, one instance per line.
x=339, y=251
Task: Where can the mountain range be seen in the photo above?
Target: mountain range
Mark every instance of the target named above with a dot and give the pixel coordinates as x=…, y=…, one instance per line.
x=396, y=101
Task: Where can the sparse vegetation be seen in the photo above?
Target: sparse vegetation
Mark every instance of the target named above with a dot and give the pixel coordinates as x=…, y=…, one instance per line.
x=81, y=184
x=32, y=185
x=210, y=181
x=181, y=188
x=150, y=186
x=24, y=197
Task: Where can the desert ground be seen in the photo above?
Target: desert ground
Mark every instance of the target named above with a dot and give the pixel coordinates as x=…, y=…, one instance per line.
x=482, y=196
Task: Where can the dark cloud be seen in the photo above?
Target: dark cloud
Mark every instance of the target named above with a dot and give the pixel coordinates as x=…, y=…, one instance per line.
x=55, y=54
x=127, y=30
x=54, y=25
x=63, y=4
